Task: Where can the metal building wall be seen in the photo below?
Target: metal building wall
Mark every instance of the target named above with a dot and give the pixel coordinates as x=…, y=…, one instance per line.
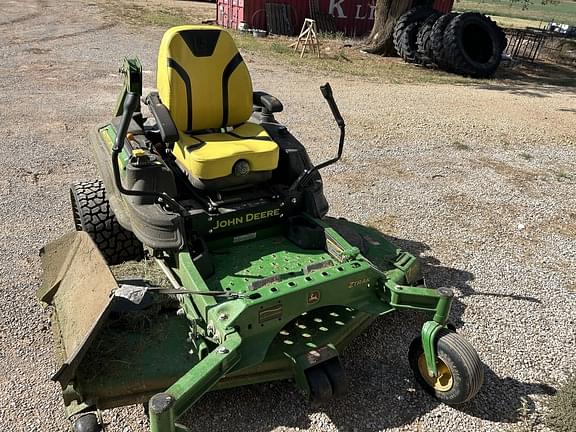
x=353, y=17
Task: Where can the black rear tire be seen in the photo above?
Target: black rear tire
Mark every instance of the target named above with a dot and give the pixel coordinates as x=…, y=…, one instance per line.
x=92, y=214
x=437, y=40
x=408, y=43
x=406, y=30
x=424, y=39
x=473, y=45
x=461, y=369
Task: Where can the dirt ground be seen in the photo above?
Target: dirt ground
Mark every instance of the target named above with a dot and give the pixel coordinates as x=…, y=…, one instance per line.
x=478, y=179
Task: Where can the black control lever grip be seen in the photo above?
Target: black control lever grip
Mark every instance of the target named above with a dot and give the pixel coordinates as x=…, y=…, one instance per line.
x=327, y=93
x=130, y=103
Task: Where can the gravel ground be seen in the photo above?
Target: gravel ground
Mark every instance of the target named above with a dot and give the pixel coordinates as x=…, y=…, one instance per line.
x=478, y=181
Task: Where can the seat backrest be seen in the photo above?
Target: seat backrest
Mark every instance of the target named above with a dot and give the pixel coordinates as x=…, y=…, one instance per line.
x=202, y=78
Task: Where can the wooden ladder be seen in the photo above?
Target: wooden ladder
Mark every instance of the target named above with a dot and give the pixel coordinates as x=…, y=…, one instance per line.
x=308, y=38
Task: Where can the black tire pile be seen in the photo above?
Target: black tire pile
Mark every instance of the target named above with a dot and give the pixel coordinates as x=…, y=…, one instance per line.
x=469, y=44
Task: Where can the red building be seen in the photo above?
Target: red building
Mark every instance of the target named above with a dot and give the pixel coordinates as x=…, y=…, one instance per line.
x=352, y=17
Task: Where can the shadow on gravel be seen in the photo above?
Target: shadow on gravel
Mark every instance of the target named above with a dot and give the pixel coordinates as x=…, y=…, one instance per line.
x=500, y=400
x=537, y=79
x=381, y=394
x=381, y=391
x=438, y=275
x=505, y=400
x=540, y=72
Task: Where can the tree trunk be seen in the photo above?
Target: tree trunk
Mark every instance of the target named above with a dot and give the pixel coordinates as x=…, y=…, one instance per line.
x=385, y=16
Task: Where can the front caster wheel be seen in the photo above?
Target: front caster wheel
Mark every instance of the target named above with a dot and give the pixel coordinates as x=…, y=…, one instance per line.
x=460, y=372
x=320, y=387
x=87, y=423
x=336, y=376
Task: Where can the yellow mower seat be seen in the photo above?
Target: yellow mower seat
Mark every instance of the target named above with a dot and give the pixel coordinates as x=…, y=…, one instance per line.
x=211, y=156
x=205, y=84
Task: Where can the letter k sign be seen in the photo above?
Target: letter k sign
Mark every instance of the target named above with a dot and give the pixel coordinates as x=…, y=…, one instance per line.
x=336, y=6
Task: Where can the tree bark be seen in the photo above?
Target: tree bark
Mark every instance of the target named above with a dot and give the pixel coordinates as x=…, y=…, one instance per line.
x=385, y=16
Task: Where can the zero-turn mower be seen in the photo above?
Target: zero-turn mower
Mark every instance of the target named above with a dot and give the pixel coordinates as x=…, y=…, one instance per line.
x=203, y=258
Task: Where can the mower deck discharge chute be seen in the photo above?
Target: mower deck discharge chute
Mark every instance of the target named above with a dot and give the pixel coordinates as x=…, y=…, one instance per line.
x=244, y=279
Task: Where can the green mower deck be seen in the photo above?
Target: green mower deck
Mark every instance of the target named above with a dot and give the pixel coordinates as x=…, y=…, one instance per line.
x=302, y=318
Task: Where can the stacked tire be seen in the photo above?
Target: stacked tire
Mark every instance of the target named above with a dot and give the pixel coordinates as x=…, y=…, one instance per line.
x=469, y=44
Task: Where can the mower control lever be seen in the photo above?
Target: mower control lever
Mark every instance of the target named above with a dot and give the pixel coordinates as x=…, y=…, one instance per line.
x=327, y=93
x=305, y=177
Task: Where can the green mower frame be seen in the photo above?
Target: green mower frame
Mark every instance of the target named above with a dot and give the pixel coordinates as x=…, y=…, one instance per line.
x=283, y=292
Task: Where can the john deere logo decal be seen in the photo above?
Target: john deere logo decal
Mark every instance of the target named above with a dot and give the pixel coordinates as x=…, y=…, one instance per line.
x=248, y=217
x=313, y=297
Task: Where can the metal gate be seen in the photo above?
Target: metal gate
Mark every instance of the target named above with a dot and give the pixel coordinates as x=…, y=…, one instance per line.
x=526, y=44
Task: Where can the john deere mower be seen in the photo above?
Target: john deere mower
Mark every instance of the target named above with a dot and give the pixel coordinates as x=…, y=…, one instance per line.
x=204, y=260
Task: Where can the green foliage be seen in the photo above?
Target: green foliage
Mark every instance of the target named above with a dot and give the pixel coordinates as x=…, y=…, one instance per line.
x=525, y=4
x=280, y=48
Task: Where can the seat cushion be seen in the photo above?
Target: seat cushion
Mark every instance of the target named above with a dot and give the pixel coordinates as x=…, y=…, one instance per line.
x=213, y=155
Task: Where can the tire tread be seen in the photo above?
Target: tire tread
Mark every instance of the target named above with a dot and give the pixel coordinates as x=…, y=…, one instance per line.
x=92, y=213
x=437, y=40
x=424, y=39
x=404, y=34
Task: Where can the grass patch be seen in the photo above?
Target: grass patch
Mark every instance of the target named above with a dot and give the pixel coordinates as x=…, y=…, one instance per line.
x=562, y=11
x=526, y=156
x=343, y=59
x=461, y=146
x=562, y=408
x=332, y=35
x=279, y=48
x=515, y=23
x=146, y=269
x=526, y=422
x=162, y=18
x=562, y=175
